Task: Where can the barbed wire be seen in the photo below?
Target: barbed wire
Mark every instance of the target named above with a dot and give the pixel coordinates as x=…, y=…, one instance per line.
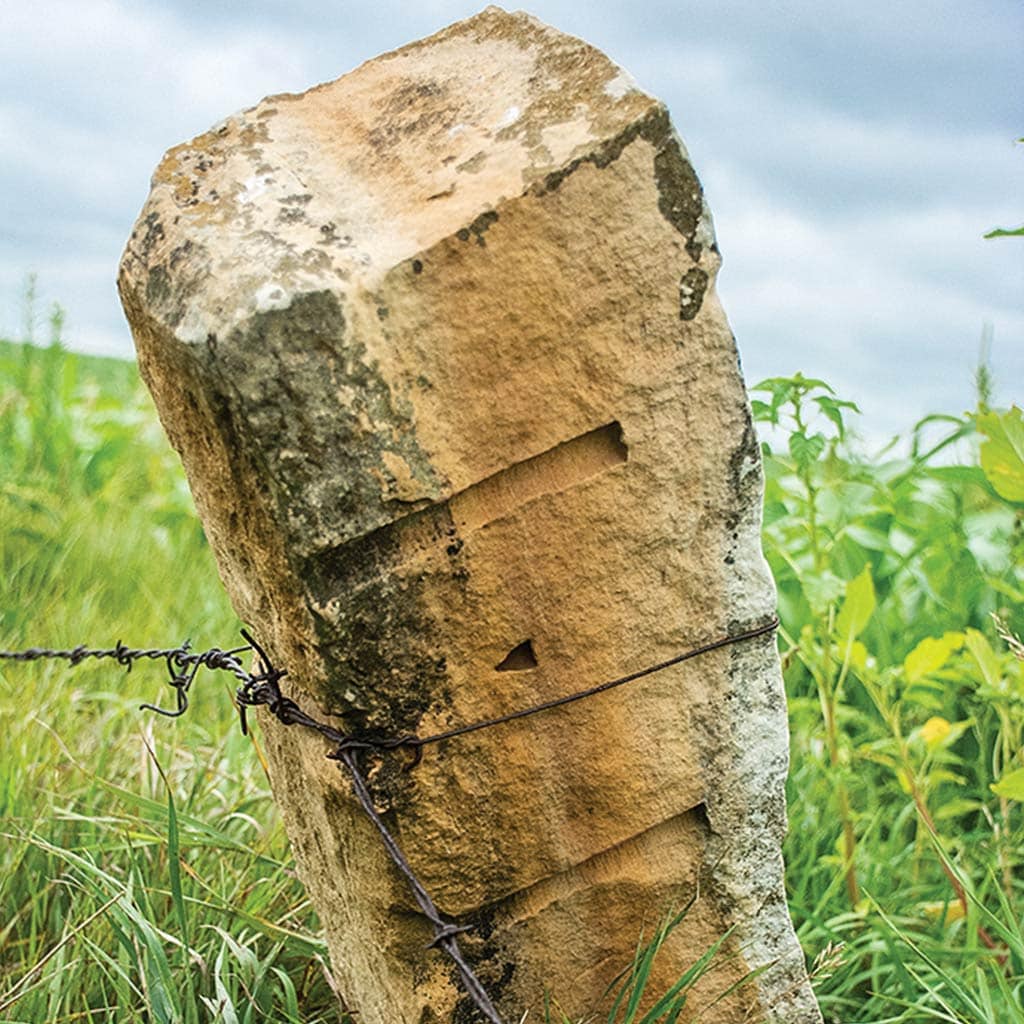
x=263, y=688
x=183, y=664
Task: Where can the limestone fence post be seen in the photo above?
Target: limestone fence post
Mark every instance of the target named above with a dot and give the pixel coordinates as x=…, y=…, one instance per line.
x=440, y=347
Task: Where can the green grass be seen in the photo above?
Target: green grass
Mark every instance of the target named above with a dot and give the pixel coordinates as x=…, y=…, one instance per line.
x=143, y=871
x=144, y=874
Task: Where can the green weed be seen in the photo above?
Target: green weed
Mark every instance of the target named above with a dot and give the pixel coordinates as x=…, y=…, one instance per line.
x=630, y=991
x=906, y=705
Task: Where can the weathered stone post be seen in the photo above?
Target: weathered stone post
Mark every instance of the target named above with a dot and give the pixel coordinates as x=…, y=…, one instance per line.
x=440, y=348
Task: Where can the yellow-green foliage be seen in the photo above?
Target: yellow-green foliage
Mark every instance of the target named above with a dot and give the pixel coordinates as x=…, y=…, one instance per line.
x=901, y=584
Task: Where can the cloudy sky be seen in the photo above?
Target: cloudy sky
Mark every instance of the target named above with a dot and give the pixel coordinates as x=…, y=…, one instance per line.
x=853, y=155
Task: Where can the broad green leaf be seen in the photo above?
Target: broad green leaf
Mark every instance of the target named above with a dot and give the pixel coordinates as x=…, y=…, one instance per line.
x=987, y=659
x=858, y=656
x=773, y=512
x=821, y=590
x=811, y=383
x=833, y=409
x=1002, y=453
x=931, y=698
x=858, y=606
x=930, y=655
x=781, y=390
x=1011, y=785
x=867, y=536
x=1005, y=232
x=1006, y=589
x=804, y=449
x=956, y=809
x=962, y=475
x=937, y=775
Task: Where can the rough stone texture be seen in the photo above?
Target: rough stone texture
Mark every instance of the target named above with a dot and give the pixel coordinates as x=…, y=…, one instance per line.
x=440, y=348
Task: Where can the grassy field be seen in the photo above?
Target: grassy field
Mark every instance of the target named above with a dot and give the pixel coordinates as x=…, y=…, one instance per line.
x=144, y=875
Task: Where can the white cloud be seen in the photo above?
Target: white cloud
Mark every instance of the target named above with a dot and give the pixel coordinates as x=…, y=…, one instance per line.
x=887, y=303
x=117, y=54
x=852, y=162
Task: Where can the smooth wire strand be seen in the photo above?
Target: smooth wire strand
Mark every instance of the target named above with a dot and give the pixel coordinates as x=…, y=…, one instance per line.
x=557, y=702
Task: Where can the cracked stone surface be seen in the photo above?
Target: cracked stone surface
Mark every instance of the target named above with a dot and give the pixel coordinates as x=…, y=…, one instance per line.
x=440, y=347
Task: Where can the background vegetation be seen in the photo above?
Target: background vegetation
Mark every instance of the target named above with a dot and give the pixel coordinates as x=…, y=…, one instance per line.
x=99, y=541
x=143, y=871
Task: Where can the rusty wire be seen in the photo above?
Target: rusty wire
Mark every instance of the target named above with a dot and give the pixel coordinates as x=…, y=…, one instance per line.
x=262, y=688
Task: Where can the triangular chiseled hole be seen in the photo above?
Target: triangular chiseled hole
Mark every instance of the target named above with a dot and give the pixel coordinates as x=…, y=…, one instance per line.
x=519, y=659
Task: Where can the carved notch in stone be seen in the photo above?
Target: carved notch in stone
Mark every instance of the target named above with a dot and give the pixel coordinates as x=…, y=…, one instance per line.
x=520, y=659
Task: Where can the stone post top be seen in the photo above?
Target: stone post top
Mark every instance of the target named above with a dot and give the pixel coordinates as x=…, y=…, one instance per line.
x=362, y=173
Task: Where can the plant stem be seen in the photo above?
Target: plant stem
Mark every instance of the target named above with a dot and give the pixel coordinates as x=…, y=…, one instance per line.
x=958, y=888
x=827, y=694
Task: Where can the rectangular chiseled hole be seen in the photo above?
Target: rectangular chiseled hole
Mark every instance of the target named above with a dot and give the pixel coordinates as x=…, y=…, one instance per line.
x=557, y=469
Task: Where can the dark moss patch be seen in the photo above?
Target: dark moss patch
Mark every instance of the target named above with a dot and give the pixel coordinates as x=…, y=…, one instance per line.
x=153, y=236
x=692, y=287
x=379, y=648
x=472, y=165
x=680, y=196
x=291, y=215
x=478, y=228
x=414, y=108
x=286, y=369
x=158, y=287
x=481, y=948
x=744, y=484
x=384, y=666
x=179, y=253
x=605, y=153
